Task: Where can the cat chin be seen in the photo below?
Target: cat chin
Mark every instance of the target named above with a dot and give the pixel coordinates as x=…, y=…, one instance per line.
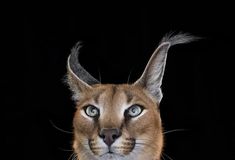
x=113, y=156
x=134, y=155
x=110, y=156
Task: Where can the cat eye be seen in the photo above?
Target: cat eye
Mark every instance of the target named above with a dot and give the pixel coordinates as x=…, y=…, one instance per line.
x=134, y=111
x=92, y=111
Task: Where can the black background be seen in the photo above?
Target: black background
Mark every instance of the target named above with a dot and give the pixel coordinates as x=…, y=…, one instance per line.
x=117, y=39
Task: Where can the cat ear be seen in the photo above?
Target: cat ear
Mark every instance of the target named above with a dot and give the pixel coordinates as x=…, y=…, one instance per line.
x=78, y=79
x=152, y=76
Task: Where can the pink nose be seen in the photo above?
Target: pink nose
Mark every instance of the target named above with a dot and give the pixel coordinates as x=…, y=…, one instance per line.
x=109, y=135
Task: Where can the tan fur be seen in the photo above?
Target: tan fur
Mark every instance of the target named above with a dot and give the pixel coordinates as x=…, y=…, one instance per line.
x=126, y=137
x=147, y=128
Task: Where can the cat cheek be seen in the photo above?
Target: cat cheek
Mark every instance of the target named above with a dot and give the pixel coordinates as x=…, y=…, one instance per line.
x=83, y=125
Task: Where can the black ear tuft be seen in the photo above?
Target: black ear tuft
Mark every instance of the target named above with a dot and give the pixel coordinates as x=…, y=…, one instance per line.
x=152, y=76
x=77, y=77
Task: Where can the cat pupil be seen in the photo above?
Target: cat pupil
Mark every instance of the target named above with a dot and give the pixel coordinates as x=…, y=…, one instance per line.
x=93, y=111
x=134, y=110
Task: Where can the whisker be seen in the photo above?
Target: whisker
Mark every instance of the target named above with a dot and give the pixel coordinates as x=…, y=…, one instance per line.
x=163, y=157
x=141, y=143
x=59, y=129
x=66, y=150
x=100, y=79
x=146, y=139
x=129, y=76
x=71, y=156
x=167, y=156
x=75, y=157
x=174, y=130
x=84, y=155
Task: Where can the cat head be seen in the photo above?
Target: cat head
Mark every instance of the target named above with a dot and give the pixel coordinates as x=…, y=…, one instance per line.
x=119, y=121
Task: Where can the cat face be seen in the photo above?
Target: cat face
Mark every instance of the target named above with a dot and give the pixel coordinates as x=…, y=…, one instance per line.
x=118, y=121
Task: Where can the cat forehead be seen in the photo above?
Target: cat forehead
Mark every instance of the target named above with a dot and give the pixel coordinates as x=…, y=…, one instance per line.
x=122, y=93
x=113, y=91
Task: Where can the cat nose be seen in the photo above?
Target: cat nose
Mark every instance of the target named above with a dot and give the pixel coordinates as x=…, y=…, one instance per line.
x=109, y=135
